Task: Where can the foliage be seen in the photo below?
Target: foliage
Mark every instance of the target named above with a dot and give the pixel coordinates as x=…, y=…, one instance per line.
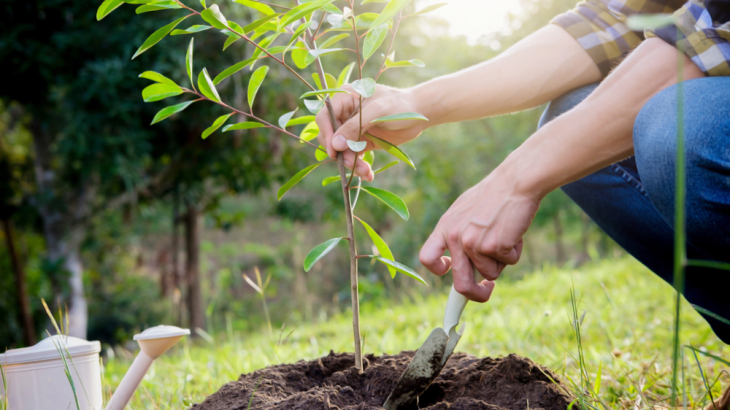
x=304, y=53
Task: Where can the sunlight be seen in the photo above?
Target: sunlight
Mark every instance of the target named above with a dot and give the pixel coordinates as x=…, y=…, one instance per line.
x=473, y=18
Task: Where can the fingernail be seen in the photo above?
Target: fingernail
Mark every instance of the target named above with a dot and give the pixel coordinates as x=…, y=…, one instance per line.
x=339, y=143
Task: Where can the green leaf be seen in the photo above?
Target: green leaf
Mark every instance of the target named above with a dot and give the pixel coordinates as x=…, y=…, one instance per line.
x=258, y=23
x=168, y=111
x=206, y=86
x=301, y=120
x=243, y=126
x=329, y=180
x=364, y=87
x=229, y=41
x=309, y=132
x=190, y=30
x=392, y=150
x=202, y=3
x=401, y=117
x=380, y=245
x=333, y=40
x=314, y=54
x=318, y=252
x=344, y=77
x=189, y=63
x=389, y=11
x=427, y=9
x=330, y=80
x=337, y=20
x=299, y=55
x=405, y=63
x=216, y=124
x=295, y=179
x=284, y=119
x=357, y=146
x=369, y=157
x=386, y=166
x=235, y=29
x=314, y=105
x=390, y=199
x=255, y=83
x=641, y=22
x=107, y=7
x=232, y=70
x=264, y=44
x=214, y=17
x=373, y=40
x=320, y=154
x=374, y=1
x=157, y=6
x=256, y=6
x=597, y=383
x=298, y=32
x=157, y=92
x=328, y=91
x=157, y=77
x=300, y=11
x=401, y=268
x=158, y=35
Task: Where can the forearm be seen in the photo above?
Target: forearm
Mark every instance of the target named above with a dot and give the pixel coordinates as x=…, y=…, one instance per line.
x=597, y=132
x=536, y=70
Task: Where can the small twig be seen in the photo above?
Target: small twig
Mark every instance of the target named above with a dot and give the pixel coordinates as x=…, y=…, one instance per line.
x=390, y=46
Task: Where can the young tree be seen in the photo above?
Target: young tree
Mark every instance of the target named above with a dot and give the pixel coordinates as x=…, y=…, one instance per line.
x=293, y=30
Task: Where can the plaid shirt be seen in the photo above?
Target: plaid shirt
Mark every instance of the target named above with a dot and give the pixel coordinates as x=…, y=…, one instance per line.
x=600, y=28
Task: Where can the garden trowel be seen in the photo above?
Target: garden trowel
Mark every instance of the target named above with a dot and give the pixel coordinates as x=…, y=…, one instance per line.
x=430, y=358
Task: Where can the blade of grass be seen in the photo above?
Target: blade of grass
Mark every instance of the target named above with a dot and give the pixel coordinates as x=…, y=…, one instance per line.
x=704, y=380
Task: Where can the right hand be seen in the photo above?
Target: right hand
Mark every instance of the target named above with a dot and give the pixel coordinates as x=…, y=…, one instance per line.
x=385, y=101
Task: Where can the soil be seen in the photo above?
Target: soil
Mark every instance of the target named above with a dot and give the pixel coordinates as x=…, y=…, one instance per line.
x=331, y=383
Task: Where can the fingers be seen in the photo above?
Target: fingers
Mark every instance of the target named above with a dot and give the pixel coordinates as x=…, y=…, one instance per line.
x=432, y=254
x=362, y=168
x=463, y=273
x=342, y=106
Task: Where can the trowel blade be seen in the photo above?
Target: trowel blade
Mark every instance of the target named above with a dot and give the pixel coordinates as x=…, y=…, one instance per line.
x=423, y=369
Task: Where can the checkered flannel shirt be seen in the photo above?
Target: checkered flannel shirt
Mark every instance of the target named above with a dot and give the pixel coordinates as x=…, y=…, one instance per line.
x=600, y=28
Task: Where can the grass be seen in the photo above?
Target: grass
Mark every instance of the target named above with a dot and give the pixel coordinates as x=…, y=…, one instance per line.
x=626, y=337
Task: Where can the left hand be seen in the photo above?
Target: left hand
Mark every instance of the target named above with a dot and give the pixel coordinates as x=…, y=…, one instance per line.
x=482, y=230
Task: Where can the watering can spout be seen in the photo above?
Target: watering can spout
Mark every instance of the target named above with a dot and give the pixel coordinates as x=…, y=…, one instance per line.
x=153, y=343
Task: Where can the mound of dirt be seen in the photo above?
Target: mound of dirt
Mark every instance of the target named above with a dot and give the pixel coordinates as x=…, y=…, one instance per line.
x=331, y=383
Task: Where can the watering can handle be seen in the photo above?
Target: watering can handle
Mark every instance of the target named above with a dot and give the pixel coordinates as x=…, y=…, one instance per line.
x=454, y=307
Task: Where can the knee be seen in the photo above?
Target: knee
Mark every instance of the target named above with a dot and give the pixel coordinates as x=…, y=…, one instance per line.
x=564, y=103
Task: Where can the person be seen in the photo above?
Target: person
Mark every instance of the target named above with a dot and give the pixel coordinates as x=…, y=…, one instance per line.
x=608, y=137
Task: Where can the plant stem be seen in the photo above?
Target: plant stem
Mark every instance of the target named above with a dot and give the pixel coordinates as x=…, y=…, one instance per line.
x=390, y=46
x=348, y=217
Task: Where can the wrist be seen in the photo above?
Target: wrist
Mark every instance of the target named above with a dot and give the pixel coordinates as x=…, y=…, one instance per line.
x=526, y=175
x=426, y=101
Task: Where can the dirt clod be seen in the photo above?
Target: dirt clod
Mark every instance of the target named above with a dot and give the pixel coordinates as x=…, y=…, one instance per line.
x=331, y=383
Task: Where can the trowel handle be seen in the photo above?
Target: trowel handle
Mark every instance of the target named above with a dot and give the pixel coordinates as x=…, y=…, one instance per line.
x=454, y=307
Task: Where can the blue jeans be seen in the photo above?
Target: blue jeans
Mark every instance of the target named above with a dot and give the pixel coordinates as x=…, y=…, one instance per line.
x=633, y=200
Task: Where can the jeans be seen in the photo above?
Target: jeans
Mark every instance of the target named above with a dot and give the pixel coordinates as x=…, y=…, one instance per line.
x=633, y=200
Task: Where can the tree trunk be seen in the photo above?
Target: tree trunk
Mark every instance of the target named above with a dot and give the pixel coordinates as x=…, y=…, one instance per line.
x=176, y=275
x=196, y=314
x=26, y=318
x=559, y=248
x=63, y=231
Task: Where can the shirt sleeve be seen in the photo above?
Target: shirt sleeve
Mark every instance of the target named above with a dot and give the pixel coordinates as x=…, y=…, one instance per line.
x=602, y=31
x=703, y=33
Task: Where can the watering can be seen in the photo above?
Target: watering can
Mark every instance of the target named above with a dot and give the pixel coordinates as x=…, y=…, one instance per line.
x=35, y=377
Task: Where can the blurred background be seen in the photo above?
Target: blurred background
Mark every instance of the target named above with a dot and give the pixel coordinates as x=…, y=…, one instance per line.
x=126, y=225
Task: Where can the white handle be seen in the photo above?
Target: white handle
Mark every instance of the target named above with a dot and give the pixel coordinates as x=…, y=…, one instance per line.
x=454, y=307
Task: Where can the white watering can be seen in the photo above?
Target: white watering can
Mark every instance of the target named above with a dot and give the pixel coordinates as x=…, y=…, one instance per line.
x=36, y=380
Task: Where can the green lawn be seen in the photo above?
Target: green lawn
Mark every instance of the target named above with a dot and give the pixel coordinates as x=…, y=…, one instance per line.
x=627, y=332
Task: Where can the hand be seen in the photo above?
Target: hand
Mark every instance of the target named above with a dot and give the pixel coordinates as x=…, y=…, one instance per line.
x=385, y=101
x=482, y=230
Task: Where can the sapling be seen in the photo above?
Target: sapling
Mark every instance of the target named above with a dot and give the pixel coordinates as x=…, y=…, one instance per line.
x=293, y=31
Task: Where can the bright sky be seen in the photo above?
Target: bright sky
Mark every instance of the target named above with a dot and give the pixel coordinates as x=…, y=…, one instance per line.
x=473, y=18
